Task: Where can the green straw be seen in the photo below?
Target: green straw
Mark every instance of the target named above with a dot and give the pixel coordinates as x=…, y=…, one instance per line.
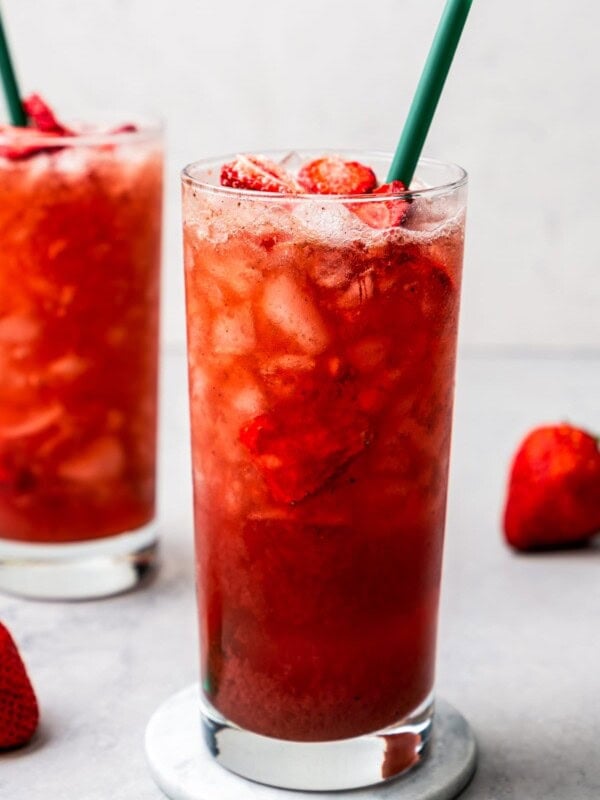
x=429, y=91
x=9, y=81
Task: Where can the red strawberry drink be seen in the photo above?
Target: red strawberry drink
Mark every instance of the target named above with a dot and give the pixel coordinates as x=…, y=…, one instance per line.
x=80, y=217
x=322, y=333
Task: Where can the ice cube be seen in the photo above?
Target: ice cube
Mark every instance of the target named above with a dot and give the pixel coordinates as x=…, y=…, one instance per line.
x=30, y=423
x=233, y=332
x=328, y=267
x=116, y=335
x=283, y=374
x=56, y=247
x=275, y=513
x=18, y=329
x=327, y=220
x=360, y=290
x=102, y=460
x=249, y=401
x=288, y=363
x=232, y=267
x=72, y=162
x=198, y=382
x=368, y=354
x=292, y=162
x=67, y=367
x=115, y=419
x=233, y=497
x=291, y=309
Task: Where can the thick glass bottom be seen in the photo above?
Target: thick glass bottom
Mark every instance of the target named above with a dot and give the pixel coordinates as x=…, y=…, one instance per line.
x=320, y=766
x=80, y=571
x=185, y=769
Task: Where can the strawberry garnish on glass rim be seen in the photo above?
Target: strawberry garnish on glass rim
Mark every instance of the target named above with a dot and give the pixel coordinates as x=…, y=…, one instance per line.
x=384, y=214
x=330, y=175
x=19, y=712
x=334, y=175
x=22, y=143
x=42, y=117
x=19, y=143
x=258, y=174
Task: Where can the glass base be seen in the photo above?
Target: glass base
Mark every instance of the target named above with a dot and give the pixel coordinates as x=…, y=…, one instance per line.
x=320, y=766
x=79, y=571
x=184, y=768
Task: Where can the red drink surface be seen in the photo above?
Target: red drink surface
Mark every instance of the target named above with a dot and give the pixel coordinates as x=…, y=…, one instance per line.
x=322, y=359
x=79, y=286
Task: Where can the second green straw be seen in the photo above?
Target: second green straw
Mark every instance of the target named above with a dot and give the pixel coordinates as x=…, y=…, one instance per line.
x=9, y=81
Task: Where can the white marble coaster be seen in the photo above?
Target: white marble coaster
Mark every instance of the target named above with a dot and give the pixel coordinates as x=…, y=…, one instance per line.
x=184, y=769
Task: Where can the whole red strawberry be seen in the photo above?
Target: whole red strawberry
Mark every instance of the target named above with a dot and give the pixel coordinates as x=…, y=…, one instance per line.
x=554, y=489
x=19, y=714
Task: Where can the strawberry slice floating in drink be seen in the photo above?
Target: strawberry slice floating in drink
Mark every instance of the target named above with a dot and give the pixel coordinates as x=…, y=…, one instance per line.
x=300, y=445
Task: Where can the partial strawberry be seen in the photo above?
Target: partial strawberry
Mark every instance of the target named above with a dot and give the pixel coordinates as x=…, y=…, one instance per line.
x=333, y=175
x=19, y=713
x=554, y=489
x=42, y=116
x=306, y=441
x=258, y=174
x=383, y=214
x=128, y=127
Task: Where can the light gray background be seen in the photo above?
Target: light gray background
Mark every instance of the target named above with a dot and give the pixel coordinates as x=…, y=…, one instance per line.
x=520, y=112
x=517, y=644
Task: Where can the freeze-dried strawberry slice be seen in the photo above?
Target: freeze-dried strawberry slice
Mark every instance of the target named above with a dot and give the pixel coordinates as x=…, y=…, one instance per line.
x=42, y=116
x=383, y=214
x=333, y=175
x=301, y=445
x=258, y=174
x=21, y=143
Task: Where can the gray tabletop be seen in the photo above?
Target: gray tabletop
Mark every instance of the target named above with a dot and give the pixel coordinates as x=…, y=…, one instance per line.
x=517, y=652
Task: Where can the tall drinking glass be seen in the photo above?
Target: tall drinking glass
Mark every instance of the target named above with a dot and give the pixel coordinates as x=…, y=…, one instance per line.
x=321, y=375
x=80, y=229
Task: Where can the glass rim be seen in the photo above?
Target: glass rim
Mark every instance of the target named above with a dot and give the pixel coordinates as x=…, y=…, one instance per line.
x=148, y=127
x=188, y=177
